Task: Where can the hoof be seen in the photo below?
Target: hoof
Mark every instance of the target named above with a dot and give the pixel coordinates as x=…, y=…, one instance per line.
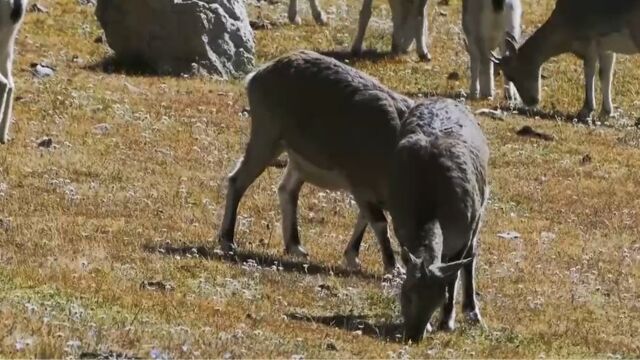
x=321, y=19
x=394, y=269
x=426, y=57
x=351, y=262
x=474, y=319
x=295, y=20
x=227, y=247
x=584, y=115
x=447, y=325
x=297, y=250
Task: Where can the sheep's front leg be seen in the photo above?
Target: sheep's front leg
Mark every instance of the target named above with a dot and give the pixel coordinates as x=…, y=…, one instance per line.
x=363, y=22
x=474, y=71
x=293, y=12
x=487, y=86
x=6, y=94
x=318, y=15
x=469, y=302
x=288, y=193
x=352, y=250
x=590, y=63
x=422, y=32
x=448, y=319
x=607, y=65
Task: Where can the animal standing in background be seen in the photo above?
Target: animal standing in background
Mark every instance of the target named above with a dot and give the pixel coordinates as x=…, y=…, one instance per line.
x=591, y=29
x=11, y=15
x=409, y=23
x=486, y=24
x=318, y=15
x=437, y=195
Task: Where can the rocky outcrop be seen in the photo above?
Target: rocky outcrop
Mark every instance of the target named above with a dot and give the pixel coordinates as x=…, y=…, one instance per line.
x=180, y=36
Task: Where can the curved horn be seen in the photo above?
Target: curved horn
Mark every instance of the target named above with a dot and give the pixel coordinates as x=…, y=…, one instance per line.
x=495, y=58
x=511, y=43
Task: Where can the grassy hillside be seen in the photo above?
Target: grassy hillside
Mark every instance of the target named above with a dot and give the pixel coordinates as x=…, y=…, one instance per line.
x=86, y=222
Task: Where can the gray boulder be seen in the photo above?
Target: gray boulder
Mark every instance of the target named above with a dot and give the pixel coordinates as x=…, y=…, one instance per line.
x=180, y=36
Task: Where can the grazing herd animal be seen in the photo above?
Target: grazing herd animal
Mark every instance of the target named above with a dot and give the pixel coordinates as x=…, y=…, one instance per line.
x=591, y=29
x=11, y=15
x=424, y=162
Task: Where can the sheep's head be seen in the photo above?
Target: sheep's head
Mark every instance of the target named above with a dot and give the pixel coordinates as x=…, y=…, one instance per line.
x=524, y=74
x=424, y=291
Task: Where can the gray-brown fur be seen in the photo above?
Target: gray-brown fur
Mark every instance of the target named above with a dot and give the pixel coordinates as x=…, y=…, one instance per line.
x=339, y=127
x=425, y=163
x=591, y=29
x=437, y=196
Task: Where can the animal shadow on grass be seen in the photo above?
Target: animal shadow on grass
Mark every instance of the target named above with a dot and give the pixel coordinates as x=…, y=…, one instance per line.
x=555, y=115
x=366, y=55
x=386, y=331
x=262, y=260
x=111, y=64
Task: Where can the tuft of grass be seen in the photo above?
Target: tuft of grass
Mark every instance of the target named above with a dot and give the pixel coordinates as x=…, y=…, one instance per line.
x=87, y=221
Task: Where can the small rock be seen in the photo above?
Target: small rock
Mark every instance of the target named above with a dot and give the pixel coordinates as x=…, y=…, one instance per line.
x=547, y=236
x=330, y=346
x=494, y=114
x=528, y=131
x=37, y=8
x=509, y=235
x=5, y=224
x=453, y=76
x=260, y=24
x=586, y=160
x=156, y=285
x=42, y=71
x=45, y=143
x=101, y=129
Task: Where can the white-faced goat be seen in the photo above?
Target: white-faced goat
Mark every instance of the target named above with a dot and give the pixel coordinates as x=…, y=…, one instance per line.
x=426, y=163
x=11, y=15
x=318, y=15
x=591, y=29
x=485, y=24
x=410, y=23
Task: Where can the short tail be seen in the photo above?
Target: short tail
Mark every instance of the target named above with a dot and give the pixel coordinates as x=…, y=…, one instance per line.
x=498, y=5
x=17, y=11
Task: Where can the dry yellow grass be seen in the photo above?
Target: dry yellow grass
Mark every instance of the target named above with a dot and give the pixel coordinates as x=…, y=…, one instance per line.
x=78, y=220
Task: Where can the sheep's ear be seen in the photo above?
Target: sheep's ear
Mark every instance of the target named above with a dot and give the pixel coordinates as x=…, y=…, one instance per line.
x=408, y=259
x=446, y=272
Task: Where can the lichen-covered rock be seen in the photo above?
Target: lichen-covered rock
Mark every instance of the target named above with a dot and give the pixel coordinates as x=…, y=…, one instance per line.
x=180, y=36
